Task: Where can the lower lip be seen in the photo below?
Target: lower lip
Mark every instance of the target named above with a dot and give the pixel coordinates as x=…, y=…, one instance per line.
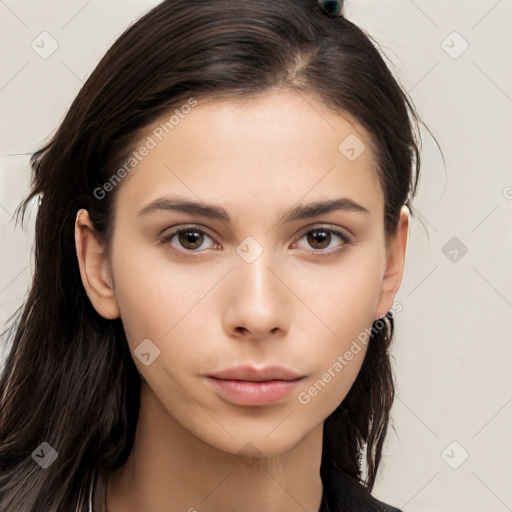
x=241, y=392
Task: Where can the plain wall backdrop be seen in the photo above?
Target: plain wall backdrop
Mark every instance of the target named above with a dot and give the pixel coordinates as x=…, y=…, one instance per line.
x=449, y=446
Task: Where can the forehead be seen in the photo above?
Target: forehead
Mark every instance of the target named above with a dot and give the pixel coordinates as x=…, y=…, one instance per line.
x=254, y=150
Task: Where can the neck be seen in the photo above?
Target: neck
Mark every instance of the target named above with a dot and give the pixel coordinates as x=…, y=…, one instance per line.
x=170, y=469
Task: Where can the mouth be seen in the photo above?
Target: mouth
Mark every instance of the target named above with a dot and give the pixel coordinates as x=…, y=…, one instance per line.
x=244, y=392
x=247, y=385
x=253, y=374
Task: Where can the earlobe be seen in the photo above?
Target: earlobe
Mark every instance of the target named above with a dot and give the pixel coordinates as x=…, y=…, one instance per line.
x=394, y=265
x=94, y=268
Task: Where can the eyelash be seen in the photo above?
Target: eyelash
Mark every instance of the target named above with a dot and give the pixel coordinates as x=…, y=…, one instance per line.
x=166, y=240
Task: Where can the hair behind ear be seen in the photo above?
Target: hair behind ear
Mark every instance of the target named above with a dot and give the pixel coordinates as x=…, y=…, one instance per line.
x=362, y=417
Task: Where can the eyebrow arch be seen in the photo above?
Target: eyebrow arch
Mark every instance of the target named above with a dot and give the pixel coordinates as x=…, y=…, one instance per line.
x=183, y=205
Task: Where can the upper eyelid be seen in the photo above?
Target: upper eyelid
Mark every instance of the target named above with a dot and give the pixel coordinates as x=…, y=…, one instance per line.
x=315, y=225
x=319, y=225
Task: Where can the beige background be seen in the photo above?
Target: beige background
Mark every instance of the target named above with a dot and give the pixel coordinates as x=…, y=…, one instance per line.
x=453, y=347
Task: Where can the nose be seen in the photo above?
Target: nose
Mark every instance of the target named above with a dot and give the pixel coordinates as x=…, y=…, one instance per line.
x=256, y=299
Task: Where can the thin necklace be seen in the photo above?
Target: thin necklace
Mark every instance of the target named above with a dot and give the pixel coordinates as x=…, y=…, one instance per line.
x=92, y=493
x=105, y=496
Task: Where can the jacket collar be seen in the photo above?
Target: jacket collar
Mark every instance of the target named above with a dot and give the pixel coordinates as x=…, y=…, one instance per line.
x=343, y=493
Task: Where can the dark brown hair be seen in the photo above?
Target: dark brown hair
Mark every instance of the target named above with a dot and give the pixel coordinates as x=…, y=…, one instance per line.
x=69, y=378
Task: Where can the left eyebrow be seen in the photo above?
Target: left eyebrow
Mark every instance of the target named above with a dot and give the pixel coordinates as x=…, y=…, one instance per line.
x=300, y=212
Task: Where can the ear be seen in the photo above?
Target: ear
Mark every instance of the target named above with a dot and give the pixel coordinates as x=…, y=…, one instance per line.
x=94, y=268
x=395, y=261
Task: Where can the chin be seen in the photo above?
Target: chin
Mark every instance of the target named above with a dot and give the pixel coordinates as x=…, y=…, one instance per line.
x=258, y=442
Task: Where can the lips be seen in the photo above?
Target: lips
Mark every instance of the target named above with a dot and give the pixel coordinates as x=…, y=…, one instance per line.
x=247, y=385
x=253, y=374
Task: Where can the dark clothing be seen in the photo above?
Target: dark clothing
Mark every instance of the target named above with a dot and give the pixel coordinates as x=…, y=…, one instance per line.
x=341, y=493
x=344, y=494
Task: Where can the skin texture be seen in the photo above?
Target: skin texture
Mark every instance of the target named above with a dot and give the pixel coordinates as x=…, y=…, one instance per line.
x=210, y=309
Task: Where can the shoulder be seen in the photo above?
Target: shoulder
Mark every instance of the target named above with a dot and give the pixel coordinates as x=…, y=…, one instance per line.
x=345, y=494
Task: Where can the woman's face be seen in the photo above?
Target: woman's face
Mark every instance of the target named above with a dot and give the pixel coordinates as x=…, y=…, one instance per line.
x=258, y=280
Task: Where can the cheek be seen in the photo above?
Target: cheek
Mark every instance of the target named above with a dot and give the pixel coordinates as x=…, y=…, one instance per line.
x=346, y=294
x=347, y=305
x=160, y=301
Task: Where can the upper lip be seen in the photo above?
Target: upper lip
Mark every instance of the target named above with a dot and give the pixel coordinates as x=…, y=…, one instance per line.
x=253, y=374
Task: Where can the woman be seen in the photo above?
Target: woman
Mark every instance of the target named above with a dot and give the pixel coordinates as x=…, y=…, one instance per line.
x=220, y=238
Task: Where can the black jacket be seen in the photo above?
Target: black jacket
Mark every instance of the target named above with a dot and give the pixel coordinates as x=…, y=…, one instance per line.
x=341, y=493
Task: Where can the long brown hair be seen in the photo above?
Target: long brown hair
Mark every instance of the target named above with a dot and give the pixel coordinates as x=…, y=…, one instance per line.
x=69, y=379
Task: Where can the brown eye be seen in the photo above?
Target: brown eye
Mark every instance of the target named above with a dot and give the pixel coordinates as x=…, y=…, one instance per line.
x=190, y=239
x=319, y=238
